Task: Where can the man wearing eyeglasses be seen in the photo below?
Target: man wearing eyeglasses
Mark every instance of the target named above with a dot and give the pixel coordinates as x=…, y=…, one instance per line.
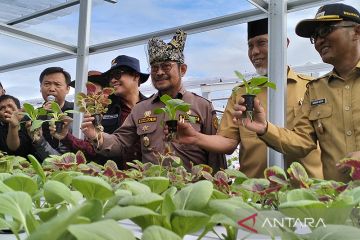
x=167, y=67
x=330, y=110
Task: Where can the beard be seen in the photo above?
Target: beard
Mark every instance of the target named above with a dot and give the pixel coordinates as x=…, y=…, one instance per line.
x=262, y=71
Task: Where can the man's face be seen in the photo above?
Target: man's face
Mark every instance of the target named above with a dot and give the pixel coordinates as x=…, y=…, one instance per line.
x=166, y=76
x=54, y=84
x=7, y=106
x=123, y=82
x=258, y=53
x=336, y=43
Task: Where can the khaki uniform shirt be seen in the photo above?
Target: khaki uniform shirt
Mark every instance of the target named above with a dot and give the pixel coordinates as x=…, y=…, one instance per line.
x=330, y=114
x=253, y=151
x=142, y=124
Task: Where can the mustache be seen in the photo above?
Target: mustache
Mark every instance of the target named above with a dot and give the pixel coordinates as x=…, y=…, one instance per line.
x=159, y=78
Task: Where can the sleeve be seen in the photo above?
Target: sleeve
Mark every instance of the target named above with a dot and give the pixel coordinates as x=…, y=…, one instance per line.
x=227, y=127
x=297, y=142
x=216, y=161
x=123, y=137
x=43, y=149
x=25, y=144
x=76, y=144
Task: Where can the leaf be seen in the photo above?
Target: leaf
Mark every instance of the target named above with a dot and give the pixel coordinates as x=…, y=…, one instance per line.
x=93, y=187
x=164, y=98
x=29, y=109
x=298, y=173
x=119, y=213
x=353, y=164
x=65, y=177
x=17, y=205
x=22, y=183
x=90, y=87
x=37, y=167
x=341, y=208
x=159, y=110
x=239, y=75
x=36, y=124
x=134, y=187
x=159, y=233
x=270, y=85
x=187, y=221
x=55, y=107
x=156, y=184
x=257, y=81
x=300, y=194
x=194, y=196
x=56, y=192
x=108, y=91
x=149, y=200
x=58, y=225
x=102, y=230
x=335, y=232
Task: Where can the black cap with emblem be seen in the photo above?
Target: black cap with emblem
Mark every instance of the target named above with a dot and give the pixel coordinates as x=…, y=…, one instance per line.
x=328, y=13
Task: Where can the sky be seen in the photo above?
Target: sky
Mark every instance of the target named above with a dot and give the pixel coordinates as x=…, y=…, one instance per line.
x=212, y=54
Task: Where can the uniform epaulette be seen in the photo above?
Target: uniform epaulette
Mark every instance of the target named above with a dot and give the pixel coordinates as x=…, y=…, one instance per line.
x=305, y=77
x=317, y=79
x=201, y=97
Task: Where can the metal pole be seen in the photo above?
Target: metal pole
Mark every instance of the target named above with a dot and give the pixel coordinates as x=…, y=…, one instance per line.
x=277, y=71
x=82, y=57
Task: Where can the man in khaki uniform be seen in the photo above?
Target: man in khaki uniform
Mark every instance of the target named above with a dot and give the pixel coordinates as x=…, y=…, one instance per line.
x=167, y=67
x=253, y=151
x=253, y=154
x=330, y=113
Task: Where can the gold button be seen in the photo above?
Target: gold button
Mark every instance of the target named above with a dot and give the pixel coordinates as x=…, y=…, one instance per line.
x=348, y=133
x=347, y=108
x=347, y=87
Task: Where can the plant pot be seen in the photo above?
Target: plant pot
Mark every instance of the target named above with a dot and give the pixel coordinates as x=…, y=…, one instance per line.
x=59, y=126
x=97, y=120
x=172, y=126
x=249, y=104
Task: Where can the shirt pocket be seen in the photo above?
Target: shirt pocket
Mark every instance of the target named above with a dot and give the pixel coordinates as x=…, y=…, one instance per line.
x=147, y=136
x=321, y=117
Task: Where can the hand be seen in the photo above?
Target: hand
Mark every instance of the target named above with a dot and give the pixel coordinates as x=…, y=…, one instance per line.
x=13, y=119
x=258, y=122
x=185, y=134
x=65, y=130
x=35, y=135
x=88, y=127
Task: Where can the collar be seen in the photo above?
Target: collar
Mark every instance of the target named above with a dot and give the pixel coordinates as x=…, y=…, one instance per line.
x=291, y=75
x=333, y=74
x=179, y=95
x=67, y=106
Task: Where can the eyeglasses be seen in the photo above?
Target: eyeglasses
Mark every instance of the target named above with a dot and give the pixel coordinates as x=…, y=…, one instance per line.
x=164, y=66
x=325, y=30
x=116, y=74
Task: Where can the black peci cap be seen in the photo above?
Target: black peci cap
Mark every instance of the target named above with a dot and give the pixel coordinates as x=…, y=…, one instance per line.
x=258, y=27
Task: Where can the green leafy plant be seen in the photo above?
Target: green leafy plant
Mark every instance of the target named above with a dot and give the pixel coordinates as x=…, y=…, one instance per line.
x=33, y=115
x=172, y=106
x=253, y=87
x=56, y=115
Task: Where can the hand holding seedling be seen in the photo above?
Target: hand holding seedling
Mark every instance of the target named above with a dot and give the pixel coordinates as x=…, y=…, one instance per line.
x=64, y=131
x=258, y=122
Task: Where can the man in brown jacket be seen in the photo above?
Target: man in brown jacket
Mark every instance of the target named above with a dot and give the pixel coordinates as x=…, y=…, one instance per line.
x=330, y=110
x=167, y=68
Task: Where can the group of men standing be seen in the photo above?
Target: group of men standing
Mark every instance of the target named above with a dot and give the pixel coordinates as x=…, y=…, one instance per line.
x=322, y=114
